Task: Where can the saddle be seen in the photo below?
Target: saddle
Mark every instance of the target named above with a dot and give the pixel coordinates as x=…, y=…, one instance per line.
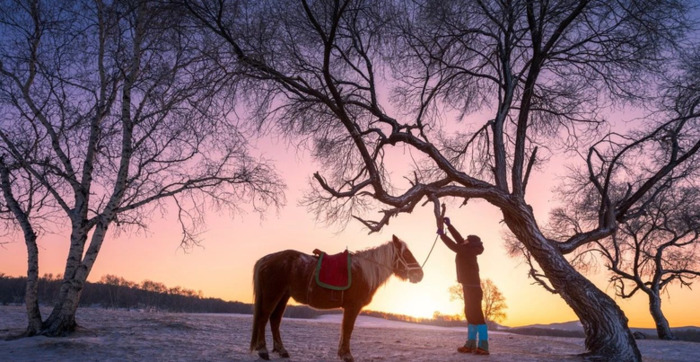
x=333, y=271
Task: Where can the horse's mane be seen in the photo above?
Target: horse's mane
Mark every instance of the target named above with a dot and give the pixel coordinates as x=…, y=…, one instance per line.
x=376, y=264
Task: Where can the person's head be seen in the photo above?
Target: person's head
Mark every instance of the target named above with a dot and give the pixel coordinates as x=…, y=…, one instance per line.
x=473, y=239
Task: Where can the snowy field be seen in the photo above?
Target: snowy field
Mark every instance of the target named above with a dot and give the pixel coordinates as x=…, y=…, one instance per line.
x=117, y=335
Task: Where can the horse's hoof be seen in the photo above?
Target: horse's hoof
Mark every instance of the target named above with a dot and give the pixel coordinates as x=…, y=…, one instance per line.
x=264, y=355
x=282, y=353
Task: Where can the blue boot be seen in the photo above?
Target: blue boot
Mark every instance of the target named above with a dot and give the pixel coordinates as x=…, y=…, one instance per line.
x=483, y=346
x=470, y=345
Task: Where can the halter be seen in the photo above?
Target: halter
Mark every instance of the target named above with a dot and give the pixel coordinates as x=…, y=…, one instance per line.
x=400, y=260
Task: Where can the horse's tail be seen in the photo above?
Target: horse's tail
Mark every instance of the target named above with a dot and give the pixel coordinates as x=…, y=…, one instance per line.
x=257, y=303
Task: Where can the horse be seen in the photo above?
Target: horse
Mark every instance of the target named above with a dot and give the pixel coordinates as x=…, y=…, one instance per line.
x=290, y=273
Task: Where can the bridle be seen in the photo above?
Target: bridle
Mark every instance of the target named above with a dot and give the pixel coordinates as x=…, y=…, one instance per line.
x=407, y=266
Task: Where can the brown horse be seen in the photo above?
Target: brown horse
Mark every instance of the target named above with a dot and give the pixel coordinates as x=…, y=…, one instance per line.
x=289, y=273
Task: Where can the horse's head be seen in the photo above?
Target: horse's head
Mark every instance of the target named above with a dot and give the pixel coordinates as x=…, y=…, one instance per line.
x=405, y=264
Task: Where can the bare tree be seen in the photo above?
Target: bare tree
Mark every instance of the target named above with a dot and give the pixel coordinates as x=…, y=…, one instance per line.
x=115, y=111
x=649, y=252
x=654, y=175
x=23, y=200
x=657, y=249
x=493, y=303
x=355, y=79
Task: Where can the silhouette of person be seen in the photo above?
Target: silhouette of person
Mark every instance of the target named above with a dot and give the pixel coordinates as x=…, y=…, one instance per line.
x=468, y=275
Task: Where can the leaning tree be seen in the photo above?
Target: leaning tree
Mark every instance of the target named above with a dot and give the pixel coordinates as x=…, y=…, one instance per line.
x=356, y=79
x=113, y=111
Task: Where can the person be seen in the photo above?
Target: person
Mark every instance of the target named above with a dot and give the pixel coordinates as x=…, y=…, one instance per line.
x=468, y=275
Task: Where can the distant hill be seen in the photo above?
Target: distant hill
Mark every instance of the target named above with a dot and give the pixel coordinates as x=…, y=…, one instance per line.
x=564, y=326
x=575, y=329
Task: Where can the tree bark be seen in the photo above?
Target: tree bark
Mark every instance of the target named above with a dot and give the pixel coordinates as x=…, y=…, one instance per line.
x=61, y=322
x=663, y=330
x=31, y=292
x=608, y=336
x=62, y=319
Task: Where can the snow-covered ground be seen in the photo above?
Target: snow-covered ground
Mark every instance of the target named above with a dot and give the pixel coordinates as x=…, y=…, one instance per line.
x=118, y=335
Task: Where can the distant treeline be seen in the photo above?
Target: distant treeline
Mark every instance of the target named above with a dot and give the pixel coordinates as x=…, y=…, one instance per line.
x=683, y=334
x=440, y=320
x=116, y=292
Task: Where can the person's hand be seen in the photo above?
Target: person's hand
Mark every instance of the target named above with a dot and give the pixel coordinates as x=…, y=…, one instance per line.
x=440, y=232
x=446, y=220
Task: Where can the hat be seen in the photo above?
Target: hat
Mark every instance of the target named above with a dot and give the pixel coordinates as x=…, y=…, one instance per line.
x=473, y=238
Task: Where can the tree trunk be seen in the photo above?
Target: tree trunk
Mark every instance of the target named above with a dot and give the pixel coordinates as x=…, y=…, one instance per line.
x=607, y=335
x=31, y=292
x=663, y=330
x=62, y=319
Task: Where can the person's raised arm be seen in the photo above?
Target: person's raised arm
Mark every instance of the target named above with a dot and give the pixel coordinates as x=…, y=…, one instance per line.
x=447, y=241
x=455, y=234
x=441, y=221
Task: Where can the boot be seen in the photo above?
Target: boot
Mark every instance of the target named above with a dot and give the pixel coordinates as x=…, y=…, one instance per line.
x=469, y=347
x=483, y=348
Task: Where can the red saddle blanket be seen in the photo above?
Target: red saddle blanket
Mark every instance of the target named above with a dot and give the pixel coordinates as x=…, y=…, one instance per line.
x=333, y=271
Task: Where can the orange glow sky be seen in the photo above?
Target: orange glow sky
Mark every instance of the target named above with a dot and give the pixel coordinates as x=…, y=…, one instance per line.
x=222, y=266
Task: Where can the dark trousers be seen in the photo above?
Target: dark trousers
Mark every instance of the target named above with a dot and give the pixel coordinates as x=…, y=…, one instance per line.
x=472, y=304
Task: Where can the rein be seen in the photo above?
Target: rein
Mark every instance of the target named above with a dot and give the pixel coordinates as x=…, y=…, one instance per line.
x=430, y=252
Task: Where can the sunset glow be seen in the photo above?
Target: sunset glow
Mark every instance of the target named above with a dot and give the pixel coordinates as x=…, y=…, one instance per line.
x=222, y=266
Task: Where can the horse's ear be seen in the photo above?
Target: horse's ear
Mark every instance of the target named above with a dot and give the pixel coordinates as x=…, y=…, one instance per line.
x=395, y=239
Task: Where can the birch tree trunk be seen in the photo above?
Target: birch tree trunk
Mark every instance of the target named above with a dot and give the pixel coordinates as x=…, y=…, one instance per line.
x=61, y=321
x=31, y=293
x=141, y=121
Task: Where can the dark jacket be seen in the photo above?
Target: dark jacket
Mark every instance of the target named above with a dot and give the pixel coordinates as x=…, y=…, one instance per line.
x=467, y=266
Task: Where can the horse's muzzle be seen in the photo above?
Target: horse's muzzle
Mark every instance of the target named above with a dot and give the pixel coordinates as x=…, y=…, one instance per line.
x=415, y=276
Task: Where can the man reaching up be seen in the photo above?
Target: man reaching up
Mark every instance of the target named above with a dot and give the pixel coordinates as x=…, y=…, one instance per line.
x=468, y=275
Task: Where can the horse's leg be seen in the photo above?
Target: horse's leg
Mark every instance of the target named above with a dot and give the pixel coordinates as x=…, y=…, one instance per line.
x=260, y=316
x=275, y=321
x=349, y=316
x=265, y=302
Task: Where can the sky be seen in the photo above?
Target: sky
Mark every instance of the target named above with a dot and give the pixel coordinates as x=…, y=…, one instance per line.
x=222, y=266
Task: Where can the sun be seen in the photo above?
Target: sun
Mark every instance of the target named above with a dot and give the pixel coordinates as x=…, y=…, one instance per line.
x=411, y=300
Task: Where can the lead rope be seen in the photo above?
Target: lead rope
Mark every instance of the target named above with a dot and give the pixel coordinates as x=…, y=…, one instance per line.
x=430, y=252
